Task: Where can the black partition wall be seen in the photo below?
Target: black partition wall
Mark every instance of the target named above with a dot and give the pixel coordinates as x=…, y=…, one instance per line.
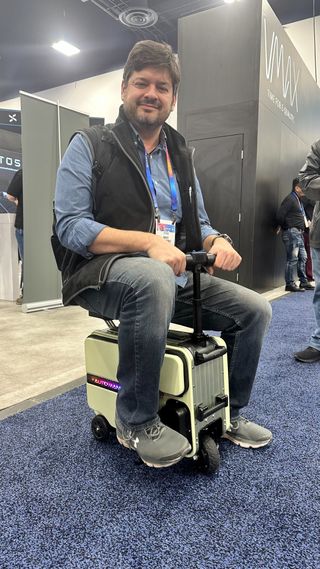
x=251, y=109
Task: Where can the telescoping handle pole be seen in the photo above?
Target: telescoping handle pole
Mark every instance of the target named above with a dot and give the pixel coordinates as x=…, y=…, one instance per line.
x=195, y=262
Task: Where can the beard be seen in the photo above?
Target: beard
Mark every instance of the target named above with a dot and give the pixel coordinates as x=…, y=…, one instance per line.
x=143, y=119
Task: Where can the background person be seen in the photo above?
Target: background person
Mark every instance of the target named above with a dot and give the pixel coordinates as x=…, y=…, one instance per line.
x=15, y=193
x=131, y=238
x=308, y=205
x=310, y=181
x=292, y=219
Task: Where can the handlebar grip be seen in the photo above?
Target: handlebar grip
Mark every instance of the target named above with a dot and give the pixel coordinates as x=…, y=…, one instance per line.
x=199, y=258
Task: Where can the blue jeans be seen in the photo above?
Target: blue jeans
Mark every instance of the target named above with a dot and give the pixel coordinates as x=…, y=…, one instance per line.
x=19, y=238
x=315, y=338
x=296, y=255
x=143, y=295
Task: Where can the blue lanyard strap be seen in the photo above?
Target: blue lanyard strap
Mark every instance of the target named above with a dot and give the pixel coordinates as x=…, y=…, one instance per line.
x=151, y=184
x=173, y=189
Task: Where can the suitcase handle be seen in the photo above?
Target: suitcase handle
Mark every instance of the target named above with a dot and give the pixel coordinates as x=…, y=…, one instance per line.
x=199, y=259
x=208, y=353
x=196, y=261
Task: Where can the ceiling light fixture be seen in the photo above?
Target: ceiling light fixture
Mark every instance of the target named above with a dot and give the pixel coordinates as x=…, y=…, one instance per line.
x=65, y=48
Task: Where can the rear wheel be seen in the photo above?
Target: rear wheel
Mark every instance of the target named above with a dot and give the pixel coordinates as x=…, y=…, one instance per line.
x=100, y=428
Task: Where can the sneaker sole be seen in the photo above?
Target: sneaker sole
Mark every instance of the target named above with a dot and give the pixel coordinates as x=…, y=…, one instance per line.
x=304, y=361
x=153, y=464
x=243, y=444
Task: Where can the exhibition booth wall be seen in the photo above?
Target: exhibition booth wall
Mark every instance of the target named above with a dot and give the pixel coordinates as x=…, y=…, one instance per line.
x=46, y=130
x=251, y=114
x=250, y=109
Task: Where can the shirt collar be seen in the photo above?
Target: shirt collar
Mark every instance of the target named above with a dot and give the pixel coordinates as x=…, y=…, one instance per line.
x=139, y=141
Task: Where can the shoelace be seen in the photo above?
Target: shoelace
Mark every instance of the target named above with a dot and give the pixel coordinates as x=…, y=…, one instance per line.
x=154, y=432
x=236, y=423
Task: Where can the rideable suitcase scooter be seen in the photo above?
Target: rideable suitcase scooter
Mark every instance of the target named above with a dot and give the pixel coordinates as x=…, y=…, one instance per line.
x=194, y=387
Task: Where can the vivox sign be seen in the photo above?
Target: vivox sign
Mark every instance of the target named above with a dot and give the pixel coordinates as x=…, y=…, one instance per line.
x=284, y=67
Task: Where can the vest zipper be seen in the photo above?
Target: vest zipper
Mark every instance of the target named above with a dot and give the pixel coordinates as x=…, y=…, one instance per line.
x=152, y=225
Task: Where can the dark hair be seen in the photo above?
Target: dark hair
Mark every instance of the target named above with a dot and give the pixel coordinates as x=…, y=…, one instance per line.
x=148, y=53
x=295, y=182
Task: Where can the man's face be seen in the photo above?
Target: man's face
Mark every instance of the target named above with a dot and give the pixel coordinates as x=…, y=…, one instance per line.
x=148, y=97
x=299, y=191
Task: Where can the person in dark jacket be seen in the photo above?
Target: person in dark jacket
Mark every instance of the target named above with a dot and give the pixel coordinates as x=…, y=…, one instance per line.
x=308, y=208
x=130, y=240
x=15, y=194
x=310, y=182
x=292, y=219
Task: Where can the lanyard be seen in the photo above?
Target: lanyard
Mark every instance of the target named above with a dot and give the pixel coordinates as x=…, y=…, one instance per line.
x=173, y=189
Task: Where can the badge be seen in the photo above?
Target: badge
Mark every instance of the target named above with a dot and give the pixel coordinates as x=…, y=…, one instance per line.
x=166, y=229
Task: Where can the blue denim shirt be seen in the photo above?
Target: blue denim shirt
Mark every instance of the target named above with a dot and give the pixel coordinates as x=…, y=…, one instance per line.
x=76, y=226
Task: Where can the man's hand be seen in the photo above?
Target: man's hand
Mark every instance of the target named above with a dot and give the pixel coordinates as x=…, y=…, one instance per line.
x=111, y=240
x=227, y=257
x=163, y=251
x=12, y=198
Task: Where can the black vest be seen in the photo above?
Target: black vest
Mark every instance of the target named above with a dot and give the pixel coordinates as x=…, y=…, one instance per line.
x=122, y=199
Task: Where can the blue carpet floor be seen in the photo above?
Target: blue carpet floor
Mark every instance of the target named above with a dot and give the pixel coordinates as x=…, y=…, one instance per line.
x=69, y=502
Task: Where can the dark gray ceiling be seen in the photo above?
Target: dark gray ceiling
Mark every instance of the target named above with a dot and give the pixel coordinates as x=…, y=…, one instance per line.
x=29, y=27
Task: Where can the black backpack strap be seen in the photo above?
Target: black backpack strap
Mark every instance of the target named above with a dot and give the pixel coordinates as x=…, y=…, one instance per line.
x=95, y=137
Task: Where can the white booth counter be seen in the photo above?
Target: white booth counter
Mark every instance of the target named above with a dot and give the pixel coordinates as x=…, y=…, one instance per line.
x=9, y=260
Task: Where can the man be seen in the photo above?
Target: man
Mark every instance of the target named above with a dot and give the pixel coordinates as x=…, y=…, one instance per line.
x=15, y=194
x=131, y=238
x=292, y=220
x=310, y=181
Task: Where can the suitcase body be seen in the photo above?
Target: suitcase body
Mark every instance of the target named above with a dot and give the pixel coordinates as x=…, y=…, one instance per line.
x=194, y=383
x=194, y=397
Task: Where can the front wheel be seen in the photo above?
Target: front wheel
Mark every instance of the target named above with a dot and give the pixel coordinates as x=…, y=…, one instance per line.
x=209, y=457
x=100, y=428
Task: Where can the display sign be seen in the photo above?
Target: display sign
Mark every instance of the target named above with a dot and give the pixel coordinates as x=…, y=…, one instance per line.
x=10, y=162
x=282, y=71
x=286, y=87
x=10, y=120
x=10, y=152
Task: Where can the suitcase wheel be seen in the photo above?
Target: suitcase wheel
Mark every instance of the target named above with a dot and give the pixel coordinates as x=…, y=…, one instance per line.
x=208, y=457
x=100, y=428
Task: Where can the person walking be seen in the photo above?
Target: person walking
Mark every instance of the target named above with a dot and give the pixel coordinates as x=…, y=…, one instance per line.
x=310, y=182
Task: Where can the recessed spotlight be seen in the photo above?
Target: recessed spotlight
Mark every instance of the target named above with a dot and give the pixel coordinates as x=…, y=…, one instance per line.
x=65, y=48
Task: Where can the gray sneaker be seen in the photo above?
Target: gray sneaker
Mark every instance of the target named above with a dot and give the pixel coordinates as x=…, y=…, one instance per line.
x=247, y=434
x=157, y=445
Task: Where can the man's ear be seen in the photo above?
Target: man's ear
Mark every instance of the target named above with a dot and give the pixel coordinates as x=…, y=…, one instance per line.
x=173, y=104
x=123, y=87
